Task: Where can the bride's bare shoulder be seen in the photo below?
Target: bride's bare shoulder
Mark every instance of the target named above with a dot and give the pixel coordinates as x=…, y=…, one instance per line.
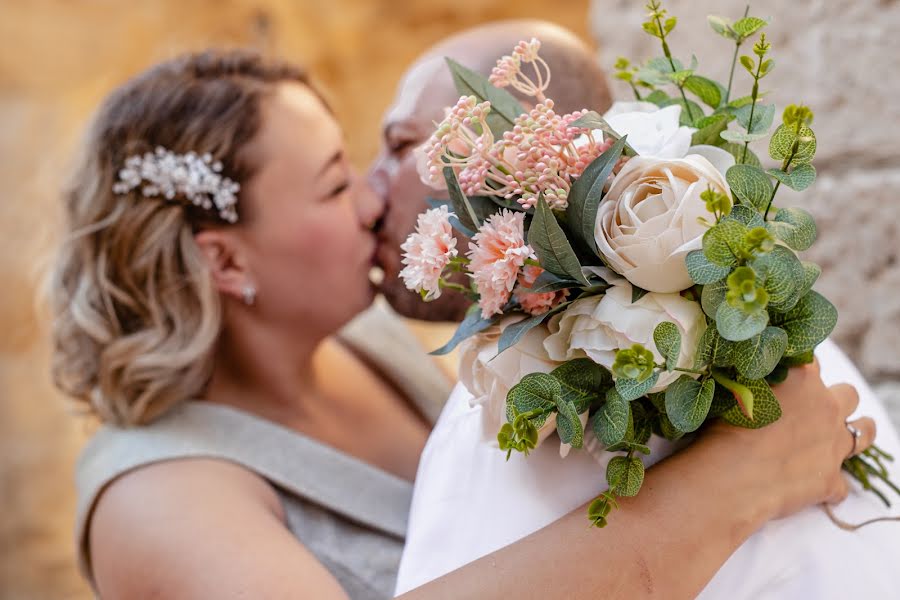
x=190, y=528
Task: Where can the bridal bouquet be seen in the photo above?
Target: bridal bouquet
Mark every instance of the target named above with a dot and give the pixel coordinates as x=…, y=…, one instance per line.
x=631, y=273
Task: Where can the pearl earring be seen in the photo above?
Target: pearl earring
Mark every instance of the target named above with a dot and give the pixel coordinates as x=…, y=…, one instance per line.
x=249, y=294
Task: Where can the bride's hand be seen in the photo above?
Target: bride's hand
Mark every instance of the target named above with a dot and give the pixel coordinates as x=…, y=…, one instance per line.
x=796, y=461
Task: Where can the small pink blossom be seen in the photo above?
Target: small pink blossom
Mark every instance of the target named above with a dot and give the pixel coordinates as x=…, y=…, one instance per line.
x=497, y=253
x=427, y=252
x=508, y=72
x=536, y=303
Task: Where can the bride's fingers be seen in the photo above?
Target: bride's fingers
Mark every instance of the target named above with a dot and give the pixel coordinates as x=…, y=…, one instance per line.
x=848, y=398
x=867, y=432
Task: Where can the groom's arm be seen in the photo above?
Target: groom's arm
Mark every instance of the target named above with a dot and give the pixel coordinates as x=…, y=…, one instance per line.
x=693, y=512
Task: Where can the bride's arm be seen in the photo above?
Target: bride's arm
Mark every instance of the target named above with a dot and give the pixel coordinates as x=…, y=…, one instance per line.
x=693, y=512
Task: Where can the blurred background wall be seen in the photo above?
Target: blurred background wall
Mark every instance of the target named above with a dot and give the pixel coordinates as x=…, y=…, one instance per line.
x=59, y=57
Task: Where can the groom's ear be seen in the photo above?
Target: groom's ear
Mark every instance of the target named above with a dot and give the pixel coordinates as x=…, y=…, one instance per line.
x=226, y=259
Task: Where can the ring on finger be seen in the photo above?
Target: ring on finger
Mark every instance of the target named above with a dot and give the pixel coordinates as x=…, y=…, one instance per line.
x=856, y=433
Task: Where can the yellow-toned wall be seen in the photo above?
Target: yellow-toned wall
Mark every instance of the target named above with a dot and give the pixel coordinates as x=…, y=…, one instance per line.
x=57, y=60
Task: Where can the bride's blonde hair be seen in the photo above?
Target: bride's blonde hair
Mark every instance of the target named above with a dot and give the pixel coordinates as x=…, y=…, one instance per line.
x=136, y=314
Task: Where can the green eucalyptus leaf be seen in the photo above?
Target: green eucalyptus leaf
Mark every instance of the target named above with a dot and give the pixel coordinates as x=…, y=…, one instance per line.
x=610, y=423
x=766, y=409
x=748, y=26
x=811, y=272
x=702, y=271
x=762, y=115
x=745, y=215
x=641, y=423
x=757, y=357
x=748, y=63
x=709, y=128
x=712, y=295
x=722, y=26
x=714, y=350
x=795, y=227
x=568, y=425
x=504, y=106
x=549, y=242
x=709, y=91
x=750, y=184
x=582, y=382
x=632, y=389
x=807, y=324
x=586, y=193
x=723, y=243
x=782, y=143
x=535, y=390
x=625, y=475
x=668, y=343
x=782, y=274
x=472, y=324
x=736, y=325
x=798, y=179
x=688, y=402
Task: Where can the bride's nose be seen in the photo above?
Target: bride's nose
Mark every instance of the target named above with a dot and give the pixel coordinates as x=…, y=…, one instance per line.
x=370, y=206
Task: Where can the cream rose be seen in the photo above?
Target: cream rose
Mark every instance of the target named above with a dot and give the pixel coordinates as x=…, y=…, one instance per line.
x=648, y=221
x=598, y=326
x=488, y=376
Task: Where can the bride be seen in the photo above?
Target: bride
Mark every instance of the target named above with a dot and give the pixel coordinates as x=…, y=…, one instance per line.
x=262, y=426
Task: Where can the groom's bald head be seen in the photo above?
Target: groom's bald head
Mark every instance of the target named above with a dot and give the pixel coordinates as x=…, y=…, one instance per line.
x=425, y=90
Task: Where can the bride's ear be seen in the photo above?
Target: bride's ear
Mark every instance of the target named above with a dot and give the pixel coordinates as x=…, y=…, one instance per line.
x=226, y=261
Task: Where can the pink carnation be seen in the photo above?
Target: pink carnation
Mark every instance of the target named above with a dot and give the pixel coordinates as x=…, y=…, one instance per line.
x=427, y=252
x=536, y=303
x=497, y=253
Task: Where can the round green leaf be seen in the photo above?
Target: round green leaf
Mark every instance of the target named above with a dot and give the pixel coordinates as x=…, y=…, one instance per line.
x=766, y=409
x=702, y=271
x=535, y=390
x=625, y=475
x=783, y=141
x=795, y=227
x=668, y=342
x=568, y=425
x=798, y=179
x=582, y=381
x=712, y=295
x=714, y=350
x=688, y=402
x=748, y=26
x=610, y=423
x=757, y=357
x=736, y=325
x=782, y=274
x=723, y=243
x=807, y=324
x=745, y=215
x=632, y=389
x=750, y=184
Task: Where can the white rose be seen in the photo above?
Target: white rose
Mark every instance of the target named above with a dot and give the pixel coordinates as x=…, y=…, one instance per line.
x=598, y=326
x=656, y=132
x=648, y=222
x=488, y=376
x=651, y=131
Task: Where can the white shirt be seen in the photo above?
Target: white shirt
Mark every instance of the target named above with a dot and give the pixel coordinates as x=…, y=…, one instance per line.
x=462, y=509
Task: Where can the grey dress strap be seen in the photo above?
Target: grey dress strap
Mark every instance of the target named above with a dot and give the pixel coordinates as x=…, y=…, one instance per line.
x=330, y=497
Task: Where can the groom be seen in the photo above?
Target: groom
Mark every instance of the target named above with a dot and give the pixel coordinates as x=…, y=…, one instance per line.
x=802, y=556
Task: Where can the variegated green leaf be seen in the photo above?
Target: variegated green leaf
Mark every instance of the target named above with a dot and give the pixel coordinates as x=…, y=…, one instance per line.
x=722, y=244
x=712, y=296
x=750, y=184
x=625, y=475
x=807, y=324
x=688, y=402
x=535, y=390
x=783, y=141
x=755, y=358
x=798, y=179
x=795, y=227
x=632, y=389
x=702, y=271
x=568, y=425
x=766, y=409
x=736, y=325
x=668, y=342
x=610, y=423
x=582, y=382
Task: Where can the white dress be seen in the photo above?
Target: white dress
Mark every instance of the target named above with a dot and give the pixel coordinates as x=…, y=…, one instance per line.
x=461, y=510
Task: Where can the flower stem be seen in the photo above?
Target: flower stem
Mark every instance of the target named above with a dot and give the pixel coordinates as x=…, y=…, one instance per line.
x=737, y=46
x=752, y=106
x=668, y=53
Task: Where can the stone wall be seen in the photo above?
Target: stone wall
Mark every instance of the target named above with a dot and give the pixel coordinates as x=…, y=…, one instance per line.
x=841, y=59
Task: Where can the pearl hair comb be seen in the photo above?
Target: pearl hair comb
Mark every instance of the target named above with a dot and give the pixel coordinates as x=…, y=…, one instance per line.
x=195, y=177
